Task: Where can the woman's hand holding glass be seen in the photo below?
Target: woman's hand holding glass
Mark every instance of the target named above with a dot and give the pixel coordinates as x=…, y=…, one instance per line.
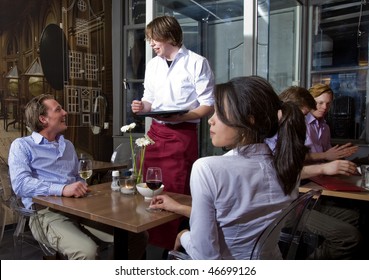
x=164, y=202
x=167, y=203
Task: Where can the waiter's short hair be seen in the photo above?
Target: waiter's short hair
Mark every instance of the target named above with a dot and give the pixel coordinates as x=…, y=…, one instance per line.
x=165, y=29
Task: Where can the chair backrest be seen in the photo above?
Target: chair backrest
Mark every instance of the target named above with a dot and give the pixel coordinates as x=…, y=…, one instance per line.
x=282, y=238
x=5, y=197
x=13, y=204
x=121, y=154
x=6, y=190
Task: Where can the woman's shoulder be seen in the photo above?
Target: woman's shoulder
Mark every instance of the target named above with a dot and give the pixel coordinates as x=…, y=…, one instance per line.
x=217, y=160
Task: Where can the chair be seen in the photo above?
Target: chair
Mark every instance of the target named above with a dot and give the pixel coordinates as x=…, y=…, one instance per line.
x=122, y=154
x=5, y=195
x=177, y=255
x=286, y=237
x=14, y=205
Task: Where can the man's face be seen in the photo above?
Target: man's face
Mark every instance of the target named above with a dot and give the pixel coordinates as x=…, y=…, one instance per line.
x=323, y=103
x=162, y=49
x=55, y=120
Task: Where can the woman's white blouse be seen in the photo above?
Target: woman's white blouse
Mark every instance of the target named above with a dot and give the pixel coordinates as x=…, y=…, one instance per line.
x=234, y=198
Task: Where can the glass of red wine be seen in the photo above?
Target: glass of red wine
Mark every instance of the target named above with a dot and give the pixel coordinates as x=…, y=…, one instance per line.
x=154, y=180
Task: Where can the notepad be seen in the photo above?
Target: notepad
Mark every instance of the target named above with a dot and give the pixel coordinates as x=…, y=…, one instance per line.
x=334, y=184
x=162, y=114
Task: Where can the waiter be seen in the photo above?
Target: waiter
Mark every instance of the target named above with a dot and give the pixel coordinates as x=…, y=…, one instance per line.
x=175, y=79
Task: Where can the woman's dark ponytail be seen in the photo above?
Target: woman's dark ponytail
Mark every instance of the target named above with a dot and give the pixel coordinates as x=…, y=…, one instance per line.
x=290, y=150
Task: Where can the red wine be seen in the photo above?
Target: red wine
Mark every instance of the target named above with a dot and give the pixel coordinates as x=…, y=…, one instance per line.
x=153, y=184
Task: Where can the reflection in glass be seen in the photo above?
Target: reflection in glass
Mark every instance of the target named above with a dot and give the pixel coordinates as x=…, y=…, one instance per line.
x=340, y=59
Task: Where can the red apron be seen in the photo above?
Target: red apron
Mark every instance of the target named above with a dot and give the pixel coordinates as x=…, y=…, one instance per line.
x=174, y=151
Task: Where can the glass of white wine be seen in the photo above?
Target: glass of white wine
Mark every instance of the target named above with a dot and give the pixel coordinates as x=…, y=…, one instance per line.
x=85, y=168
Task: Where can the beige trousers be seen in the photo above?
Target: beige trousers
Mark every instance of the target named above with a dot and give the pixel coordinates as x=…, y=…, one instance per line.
x=75, y=241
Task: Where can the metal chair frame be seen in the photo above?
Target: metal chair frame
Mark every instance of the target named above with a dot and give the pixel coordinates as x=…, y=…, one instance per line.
x=10, y=201
x=282, y=239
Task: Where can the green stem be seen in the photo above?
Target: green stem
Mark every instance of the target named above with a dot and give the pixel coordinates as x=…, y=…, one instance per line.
x=133, y=153
x=141, y=161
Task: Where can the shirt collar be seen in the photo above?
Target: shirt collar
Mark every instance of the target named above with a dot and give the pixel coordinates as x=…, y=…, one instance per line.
x=39, y=139
x=183, y=51
x=251, y=150
x=309, y=118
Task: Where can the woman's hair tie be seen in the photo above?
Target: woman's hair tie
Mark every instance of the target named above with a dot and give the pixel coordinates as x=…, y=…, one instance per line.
x=280, y=104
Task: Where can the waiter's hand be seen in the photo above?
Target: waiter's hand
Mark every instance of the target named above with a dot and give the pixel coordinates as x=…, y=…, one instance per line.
x=76, y=189
x=137, y=106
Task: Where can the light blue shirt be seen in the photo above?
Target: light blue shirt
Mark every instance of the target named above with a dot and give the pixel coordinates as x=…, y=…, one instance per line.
x=234, y=198
x=185, y=85
x=40, y=167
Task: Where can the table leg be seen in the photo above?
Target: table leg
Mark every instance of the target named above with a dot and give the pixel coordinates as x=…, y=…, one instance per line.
x=120, y=244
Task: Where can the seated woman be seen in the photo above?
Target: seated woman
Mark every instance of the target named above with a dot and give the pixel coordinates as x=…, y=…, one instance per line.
x=237, y=195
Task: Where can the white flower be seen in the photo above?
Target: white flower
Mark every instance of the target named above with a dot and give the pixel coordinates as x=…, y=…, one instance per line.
x=144, y=141
x=140, y=142
x=132, y=125
x=129, y=127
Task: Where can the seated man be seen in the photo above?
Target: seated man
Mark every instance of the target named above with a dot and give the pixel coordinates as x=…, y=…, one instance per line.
x=45, y=163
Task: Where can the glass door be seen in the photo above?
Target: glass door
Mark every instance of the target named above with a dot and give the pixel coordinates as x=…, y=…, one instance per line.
x=213, y=29
x=339, y=58
x=279, y=42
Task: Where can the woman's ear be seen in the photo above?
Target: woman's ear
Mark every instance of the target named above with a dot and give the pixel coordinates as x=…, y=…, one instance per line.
x=279, y=114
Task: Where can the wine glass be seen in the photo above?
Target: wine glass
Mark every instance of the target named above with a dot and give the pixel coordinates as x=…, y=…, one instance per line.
x=154, y=180
x=85, y=168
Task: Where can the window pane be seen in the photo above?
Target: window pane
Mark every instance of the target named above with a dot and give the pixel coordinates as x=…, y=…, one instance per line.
x=340, y=59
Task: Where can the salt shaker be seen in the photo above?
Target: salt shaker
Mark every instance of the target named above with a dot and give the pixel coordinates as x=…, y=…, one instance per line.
x=115, y=184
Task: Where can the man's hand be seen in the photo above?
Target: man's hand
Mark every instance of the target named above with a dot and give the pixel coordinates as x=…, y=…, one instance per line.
x=76, y=189
x=340, y=152
x=140, y=106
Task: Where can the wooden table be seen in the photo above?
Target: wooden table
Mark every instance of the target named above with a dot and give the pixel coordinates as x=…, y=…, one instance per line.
x=124, y=213
x=356, y=180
